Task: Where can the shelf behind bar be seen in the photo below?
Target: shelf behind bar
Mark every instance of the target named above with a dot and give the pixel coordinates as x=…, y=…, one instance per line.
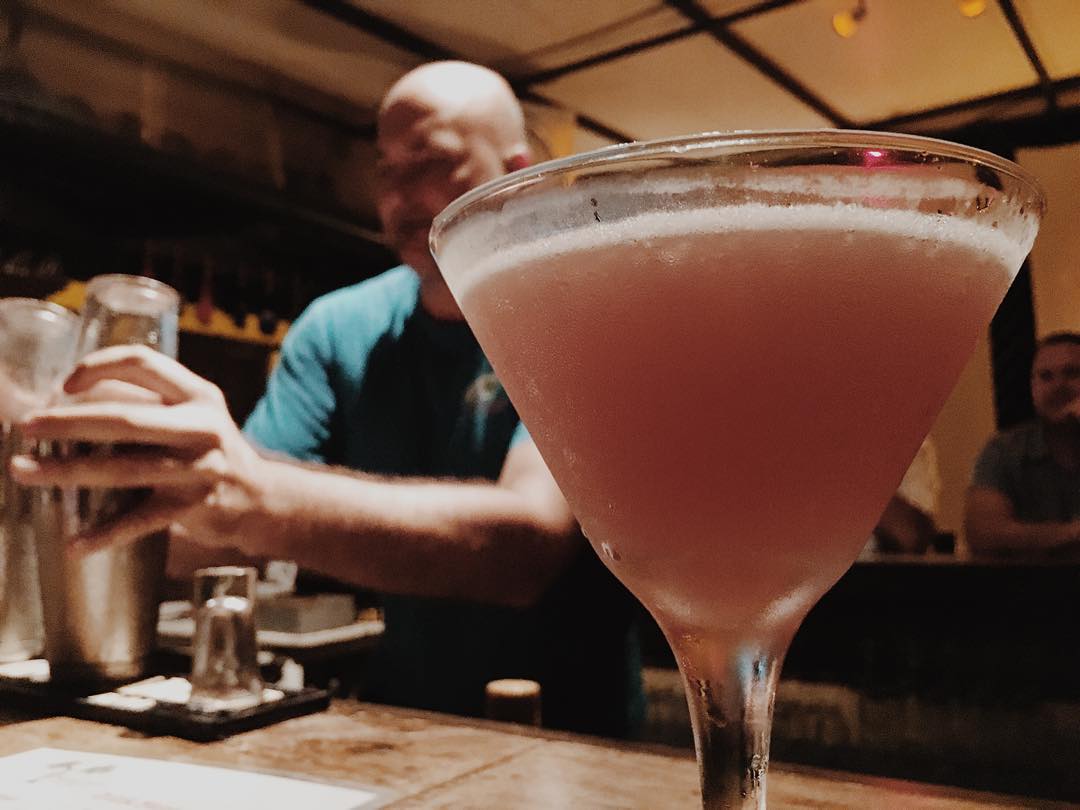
x=121, y=187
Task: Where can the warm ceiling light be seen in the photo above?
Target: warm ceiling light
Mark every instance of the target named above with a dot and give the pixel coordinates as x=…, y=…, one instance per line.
x=971, y=8
x=846, y=23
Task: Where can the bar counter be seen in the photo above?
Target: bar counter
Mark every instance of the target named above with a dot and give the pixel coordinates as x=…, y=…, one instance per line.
x=424, y=760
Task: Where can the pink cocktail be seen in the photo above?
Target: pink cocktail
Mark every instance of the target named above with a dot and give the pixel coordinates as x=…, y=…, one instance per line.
x=728, y=349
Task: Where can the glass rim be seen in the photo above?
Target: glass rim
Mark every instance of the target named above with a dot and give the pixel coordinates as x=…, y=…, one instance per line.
x=684, y=144
x=108, y=279
x=225, y=571
x=39, y=304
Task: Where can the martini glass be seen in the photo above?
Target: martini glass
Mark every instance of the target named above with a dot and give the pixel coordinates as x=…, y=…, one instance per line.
x=727, y=349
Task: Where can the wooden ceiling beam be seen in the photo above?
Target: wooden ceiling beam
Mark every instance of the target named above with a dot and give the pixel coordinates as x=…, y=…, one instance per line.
x=722, y=33
x=1046, y=84
x=649, y=42
x=911, y=120
x=381, y=28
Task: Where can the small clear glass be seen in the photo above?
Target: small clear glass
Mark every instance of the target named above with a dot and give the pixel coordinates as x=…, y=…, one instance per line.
x=37, y=345
x=224, y=660
x=123, y=310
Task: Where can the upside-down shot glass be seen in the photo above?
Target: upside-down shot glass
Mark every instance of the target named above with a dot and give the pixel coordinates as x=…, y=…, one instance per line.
x=224, y=654
x=37, y=346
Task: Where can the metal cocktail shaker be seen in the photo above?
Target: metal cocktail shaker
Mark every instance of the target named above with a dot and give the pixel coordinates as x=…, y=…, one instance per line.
x=37, y=344
x=100, y=608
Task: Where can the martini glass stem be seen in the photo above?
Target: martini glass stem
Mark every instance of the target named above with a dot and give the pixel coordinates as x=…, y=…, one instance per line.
x=731, y=707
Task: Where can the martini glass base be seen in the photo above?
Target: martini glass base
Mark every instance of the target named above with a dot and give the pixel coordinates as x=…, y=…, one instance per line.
x=731, y=707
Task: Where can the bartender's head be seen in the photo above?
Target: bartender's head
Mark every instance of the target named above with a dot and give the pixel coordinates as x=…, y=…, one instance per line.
x=1055, y=378
x=443, y=128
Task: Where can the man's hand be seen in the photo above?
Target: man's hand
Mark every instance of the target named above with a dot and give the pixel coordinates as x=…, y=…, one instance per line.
x=187, y=449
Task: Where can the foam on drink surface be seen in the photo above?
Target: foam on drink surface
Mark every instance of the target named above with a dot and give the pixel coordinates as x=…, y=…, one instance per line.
x=531, y=228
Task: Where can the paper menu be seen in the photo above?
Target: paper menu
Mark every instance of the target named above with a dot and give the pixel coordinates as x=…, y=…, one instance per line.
x=50, y=778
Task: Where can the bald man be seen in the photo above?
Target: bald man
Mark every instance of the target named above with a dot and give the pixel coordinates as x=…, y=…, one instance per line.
x=385, y=454
x=444, y=128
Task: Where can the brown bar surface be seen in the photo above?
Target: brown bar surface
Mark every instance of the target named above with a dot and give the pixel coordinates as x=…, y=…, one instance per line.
x=425, y=760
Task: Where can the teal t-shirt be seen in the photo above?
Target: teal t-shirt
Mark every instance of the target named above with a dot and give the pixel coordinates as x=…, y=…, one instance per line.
x=1018, y=464
x=368, y=380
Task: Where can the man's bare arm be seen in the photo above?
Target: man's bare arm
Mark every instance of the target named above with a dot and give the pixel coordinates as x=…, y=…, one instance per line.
x=500, y=542
x=991, y=527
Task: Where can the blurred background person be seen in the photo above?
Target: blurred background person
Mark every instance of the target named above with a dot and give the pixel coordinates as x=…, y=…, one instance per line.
x=1025, y=492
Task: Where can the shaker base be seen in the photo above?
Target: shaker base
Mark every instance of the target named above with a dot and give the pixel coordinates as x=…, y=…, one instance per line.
x=95, y=673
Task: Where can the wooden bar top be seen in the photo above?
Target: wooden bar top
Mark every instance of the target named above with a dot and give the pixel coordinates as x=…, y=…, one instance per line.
x=432, y=761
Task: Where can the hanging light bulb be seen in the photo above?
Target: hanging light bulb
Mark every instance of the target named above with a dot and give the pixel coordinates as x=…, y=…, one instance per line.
x=971, y=8
x=846, y=23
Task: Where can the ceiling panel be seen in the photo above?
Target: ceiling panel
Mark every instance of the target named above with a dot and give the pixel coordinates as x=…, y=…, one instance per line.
x=585, y=141
x=523, y=36
x=998, y=110
x=1054, y=26
x=692, y=85
x=1056, y=254
x=722, y=8
x=287, y=39
x=905, y=56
